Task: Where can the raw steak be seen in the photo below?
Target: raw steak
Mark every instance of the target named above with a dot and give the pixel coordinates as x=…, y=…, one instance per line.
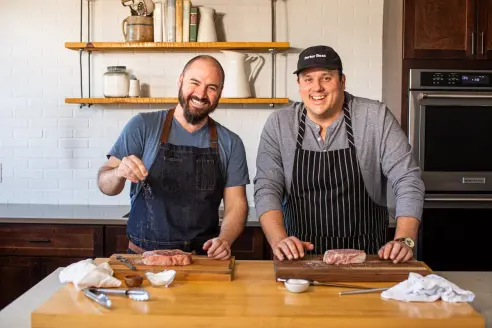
x=166, y=257
x=344, y=256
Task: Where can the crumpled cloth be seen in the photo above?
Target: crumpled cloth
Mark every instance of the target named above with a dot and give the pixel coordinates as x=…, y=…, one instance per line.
x=430, y=288
x=86, y=273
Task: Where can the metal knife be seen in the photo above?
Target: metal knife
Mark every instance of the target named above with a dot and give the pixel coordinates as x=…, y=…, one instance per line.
x=363, y=291
x=125, y=261
x=317, y=283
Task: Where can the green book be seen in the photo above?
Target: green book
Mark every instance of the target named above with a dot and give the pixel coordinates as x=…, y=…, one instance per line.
x=193, y=24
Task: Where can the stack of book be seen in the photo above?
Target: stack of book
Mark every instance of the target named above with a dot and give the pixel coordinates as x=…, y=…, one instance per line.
x=175, y=21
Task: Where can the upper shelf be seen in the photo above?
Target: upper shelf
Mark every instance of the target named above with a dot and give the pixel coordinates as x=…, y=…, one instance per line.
x=178, y=46
x=171, y=100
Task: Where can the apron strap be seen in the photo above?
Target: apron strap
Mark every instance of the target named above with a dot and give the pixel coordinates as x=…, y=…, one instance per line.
x=302, y=128
x=212, y=129
x=167, y=125
x=348, y=124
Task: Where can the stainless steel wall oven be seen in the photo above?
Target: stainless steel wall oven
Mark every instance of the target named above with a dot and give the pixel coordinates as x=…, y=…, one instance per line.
x=450, y=130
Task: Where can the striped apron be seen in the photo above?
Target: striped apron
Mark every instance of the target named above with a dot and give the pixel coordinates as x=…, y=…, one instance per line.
x=328, y=204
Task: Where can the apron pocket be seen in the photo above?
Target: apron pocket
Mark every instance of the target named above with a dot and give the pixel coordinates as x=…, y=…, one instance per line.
x=171, y=172
x=205, y=174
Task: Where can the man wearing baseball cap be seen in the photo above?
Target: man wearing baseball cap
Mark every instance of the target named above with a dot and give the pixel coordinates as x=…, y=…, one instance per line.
x=323, y=165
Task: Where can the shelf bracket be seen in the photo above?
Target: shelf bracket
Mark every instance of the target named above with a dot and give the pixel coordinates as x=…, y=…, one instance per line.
x=273, y=51
x=89, y=52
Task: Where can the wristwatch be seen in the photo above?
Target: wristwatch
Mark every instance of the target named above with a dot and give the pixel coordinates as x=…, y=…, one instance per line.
x=407, y=241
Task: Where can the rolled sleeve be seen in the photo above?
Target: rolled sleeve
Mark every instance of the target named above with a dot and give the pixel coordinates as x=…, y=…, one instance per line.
x=269, y=181
x=401, y=169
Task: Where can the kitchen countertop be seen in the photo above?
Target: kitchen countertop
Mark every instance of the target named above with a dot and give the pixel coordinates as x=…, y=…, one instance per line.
x=83, y=214
x=17, y=314
x=79, y=214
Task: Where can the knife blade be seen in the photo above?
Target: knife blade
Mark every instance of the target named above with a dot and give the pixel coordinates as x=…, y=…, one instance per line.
x=125, y=261
x=364, y=291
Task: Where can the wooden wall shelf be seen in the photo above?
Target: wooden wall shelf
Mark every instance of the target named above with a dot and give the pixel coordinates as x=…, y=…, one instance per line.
x=178, y=46
x=171, y=100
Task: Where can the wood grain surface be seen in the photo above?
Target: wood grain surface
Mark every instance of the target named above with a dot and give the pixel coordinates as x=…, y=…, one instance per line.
x=252, y=299
x=180, y=46
x=373, y=269
x=171, y=100
x=202, y=268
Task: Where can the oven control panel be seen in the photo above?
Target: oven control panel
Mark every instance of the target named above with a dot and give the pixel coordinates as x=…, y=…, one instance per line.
x=456, y=79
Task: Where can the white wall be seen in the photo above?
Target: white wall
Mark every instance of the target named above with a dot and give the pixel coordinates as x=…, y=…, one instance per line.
x=50, y=151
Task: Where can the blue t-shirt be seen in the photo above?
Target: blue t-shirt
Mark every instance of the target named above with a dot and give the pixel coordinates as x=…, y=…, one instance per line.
x=141, y=137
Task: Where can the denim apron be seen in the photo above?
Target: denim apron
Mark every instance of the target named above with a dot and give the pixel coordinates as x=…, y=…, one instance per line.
x=177, y=205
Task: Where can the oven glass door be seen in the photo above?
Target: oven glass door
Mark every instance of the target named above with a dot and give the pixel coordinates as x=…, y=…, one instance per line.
x=452, y=140
x=458, y=138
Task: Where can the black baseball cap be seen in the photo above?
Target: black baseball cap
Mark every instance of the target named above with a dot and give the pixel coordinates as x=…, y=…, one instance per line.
x=319, y=56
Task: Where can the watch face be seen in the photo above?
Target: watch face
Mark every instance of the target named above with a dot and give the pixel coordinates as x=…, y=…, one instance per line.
x=409, y=242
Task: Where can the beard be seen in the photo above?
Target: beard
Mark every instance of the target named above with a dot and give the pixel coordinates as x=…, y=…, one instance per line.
x=192, y=115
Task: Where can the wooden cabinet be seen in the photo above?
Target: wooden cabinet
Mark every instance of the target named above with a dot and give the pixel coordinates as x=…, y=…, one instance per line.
x=115, y=240
x=447, y=29
x=249, y=245
x=485, y=29
x=51, y=240
x=18, y=274
x=30, y=252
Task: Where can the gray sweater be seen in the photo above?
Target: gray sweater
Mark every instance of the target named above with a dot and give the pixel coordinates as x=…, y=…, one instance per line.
x=383, y=152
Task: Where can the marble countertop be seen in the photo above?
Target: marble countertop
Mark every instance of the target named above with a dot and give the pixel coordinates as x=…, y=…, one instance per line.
x=17, y=314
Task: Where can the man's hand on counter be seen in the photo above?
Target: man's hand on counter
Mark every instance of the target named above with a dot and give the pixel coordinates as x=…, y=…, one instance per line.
x=291, y=247
x=396, y=251
x=217, y=248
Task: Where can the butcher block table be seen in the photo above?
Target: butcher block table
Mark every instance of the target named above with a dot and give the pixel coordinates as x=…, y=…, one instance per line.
x=252, y=299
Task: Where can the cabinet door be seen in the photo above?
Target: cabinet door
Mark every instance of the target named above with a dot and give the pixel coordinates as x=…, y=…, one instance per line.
x=249, y=245
x=18, y=275
x=115, y=240
x=484, y=42
x=59, y=240
x=440, y=29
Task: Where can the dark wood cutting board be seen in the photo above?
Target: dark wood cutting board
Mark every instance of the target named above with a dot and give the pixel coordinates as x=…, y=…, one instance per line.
x=201, y=268
x=374, y=269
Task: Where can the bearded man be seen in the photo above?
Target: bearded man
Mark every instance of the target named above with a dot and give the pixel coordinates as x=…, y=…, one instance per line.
x=181, y=165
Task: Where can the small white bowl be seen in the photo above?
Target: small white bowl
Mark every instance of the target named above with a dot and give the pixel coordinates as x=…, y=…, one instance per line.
x=163, y=278
x=297, y=285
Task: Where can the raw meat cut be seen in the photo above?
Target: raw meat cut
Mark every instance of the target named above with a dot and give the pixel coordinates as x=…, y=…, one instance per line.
x=169, y=257
x=344, y=256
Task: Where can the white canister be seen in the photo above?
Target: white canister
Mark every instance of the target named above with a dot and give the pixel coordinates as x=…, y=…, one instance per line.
x=116, y=82
x=134, y=88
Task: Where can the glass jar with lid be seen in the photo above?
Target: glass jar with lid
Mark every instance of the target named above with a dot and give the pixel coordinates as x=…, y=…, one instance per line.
x=116, y=82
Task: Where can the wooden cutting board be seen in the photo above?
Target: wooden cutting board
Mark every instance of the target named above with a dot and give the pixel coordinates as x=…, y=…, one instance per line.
x=201, y=268
x=374, y=269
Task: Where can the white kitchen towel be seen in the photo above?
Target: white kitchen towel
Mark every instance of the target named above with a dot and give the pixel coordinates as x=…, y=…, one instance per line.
x=430, y=288
x=86, y=273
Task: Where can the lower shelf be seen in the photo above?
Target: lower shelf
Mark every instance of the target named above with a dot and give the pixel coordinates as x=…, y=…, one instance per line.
x=171, y=100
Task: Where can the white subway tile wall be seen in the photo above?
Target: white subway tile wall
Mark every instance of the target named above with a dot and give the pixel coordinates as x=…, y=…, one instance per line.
x=51, y=151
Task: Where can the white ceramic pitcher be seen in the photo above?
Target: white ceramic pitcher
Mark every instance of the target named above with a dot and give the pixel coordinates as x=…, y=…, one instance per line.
x=237, y=82
x=206, y=26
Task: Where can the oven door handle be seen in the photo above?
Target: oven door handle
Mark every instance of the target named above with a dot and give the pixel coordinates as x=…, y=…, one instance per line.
x=457, y=199
x=423, y=95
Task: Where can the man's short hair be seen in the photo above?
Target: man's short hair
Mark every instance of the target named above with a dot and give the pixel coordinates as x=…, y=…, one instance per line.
x=208, y=58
